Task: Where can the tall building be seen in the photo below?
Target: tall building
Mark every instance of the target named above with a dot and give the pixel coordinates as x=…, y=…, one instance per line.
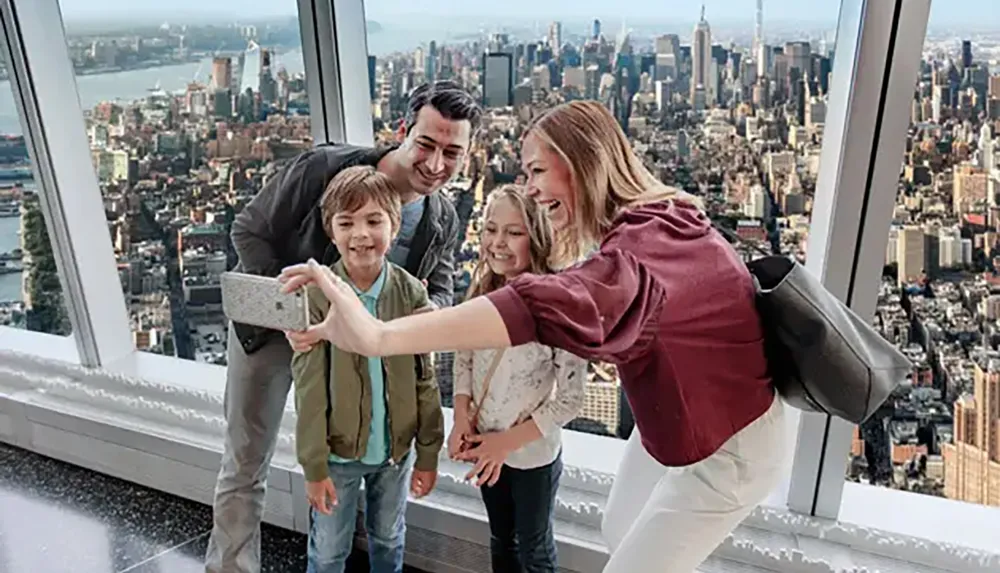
x=372, y=63
x=498, y=79
x=596, y=32
x=701, y=55
x=222, y=73
x=758, y=28
x=972, y=462
x=910, y=254
x=555, y=38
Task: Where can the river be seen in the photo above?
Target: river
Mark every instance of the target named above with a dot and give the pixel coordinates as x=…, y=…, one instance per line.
x=10, y=285
x=135, y=84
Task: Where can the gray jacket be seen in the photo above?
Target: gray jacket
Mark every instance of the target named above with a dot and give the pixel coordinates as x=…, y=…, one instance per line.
x=283, y=226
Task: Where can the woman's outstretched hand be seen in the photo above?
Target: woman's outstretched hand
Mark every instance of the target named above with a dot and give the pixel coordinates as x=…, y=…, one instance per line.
x=348, y=325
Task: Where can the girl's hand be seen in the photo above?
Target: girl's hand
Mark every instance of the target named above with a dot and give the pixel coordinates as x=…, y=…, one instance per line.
x=489, y=454
x=457, y=437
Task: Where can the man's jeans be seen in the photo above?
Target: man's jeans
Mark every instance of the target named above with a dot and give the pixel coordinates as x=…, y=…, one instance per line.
x=520, y=507
x=331, y=537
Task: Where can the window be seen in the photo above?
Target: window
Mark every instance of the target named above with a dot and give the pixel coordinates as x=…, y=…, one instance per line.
x=31, y=295
x=186, y=121
x=939, y=295
x=733, y=112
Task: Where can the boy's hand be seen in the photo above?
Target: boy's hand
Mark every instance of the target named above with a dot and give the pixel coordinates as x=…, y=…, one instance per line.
x=322, y=495
x=302, y=341
x=422, y=482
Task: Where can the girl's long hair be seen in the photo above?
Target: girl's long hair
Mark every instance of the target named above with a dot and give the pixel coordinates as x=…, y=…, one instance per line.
x=540, y=235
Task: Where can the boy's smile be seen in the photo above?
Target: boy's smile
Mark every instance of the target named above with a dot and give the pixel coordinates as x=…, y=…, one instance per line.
x=363, y=237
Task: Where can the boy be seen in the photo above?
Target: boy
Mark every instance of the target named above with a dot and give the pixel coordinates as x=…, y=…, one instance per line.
x=357, y=416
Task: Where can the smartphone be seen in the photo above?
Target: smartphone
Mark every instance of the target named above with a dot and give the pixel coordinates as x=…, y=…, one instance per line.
x=257, y=300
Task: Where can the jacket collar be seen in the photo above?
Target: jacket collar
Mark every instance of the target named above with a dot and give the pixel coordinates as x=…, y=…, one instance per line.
x=341, y=272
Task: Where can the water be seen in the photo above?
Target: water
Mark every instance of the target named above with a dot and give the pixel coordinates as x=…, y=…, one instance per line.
x=10, y=285
x=135, y=84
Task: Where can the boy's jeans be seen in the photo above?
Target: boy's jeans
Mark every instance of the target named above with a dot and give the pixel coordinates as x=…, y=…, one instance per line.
x=331, y=537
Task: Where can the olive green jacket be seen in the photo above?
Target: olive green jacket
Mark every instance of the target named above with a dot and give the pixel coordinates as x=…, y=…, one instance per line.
x=333, y=392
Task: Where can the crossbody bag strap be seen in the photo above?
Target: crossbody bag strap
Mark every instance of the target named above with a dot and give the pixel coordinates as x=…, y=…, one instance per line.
x=474, y=415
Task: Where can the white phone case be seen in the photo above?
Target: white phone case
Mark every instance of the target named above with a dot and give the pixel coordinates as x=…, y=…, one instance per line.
x=257, y=300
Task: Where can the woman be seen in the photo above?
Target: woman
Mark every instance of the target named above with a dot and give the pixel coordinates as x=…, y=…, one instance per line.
x=664, y=297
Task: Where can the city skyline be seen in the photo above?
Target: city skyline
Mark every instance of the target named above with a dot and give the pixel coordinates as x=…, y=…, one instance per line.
x=974, y=14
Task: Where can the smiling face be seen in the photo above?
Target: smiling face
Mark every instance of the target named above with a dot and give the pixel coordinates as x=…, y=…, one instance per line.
x=505, y=244
x=363, y=236
x=549, y=181
x=433, y=149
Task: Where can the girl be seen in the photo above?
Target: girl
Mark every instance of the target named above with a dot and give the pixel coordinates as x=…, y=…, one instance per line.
x=510, y=405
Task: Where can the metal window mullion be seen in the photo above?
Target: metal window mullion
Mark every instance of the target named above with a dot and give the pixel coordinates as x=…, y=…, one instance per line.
x=878, y=53
x=319, y=58
x=41, y=74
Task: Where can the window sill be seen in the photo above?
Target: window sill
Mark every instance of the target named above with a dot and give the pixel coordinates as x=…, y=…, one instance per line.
x=906, y=513
x=165, y=411
x=39, y=344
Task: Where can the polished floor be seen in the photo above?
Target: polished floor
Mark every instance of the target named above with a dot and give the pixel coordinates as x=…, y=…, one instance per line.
x=56, y=518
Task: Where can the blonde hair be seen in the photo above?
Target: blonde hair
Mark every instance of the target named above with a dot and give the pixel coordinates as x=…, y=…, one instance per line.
x=605, y=173
x=540, y=236
x=352, y=188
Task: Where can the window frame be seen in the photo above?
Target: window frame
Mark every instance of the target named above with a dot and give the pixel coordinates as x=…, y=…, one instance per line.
x=878, y=49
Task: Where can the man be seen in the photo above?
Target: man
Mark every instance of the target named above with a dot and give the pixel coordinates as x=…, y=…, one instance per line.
x=283, y=225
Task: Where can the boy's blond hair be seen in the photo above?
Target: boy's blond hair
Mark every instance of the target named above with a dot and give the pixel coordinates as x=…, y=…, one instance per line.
x=353, y=188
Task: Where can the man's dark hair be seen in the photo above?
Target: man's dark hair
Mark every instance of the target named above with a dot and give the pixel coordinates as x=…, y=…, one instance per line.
x=448, y=98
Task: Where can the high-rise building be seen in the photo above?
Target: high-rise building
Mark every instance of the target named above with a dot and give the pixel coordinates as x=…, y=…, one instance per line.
x=701, y=54
x=972, y=462
x=372, y=63
x=910, y=255
x=758, y=28
x=966, y=54
x=596, y=33
x=555, y=38
x=222, y=73
x=498, y=79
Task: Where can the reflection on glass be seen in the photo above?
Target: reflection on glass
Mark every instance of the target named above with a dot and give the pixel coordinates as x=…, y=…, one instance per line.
x=733, y=112
x=940, y=434
x=30, y=292
x=186, y=121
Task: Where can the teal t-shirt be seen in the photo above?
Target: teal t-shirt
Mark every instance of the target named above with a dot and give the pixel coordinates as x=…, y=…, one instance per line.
x=378, y=434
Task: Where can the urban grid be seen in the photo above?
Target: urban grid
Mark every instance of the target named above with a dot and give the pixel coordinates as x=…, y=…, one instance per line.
x=738, y=123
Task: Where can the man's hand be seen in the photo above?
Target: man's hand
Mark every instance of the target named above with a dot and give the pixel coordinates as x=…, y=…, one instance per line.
x=322, y=495
x=422, y=482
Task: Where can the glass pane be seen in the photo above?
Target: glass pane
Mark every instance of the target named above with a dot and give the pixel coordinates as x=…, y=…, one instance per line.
x=30, y=291
x=185, y=120
x=729, y=106
x=939, y=294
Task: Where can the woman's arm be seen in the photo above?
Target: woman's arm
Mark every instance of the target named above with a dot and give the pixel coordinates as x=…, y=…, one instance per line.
x=472, y=325
x=600, y=310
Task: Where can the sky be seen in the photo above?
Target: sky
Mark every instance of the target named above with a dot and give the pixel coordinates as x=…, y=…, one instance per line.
x=971, y=12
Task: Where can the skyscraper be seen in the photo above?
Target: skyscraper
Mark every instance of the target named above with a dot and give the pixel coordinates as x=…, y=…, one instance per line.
x=597, y=29
x=498, y=79
x=758, y=28
x=555, y=38
x=701, y=55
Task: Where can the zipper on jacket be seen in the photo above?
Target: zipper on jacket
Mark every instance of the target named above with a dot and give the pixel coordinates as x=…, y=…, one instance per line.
x=388, y=414
x=358, y=454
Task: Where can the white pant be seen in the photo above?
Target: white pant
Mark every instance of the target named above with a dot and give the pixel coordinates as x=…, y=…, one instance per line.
x=669, y=519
